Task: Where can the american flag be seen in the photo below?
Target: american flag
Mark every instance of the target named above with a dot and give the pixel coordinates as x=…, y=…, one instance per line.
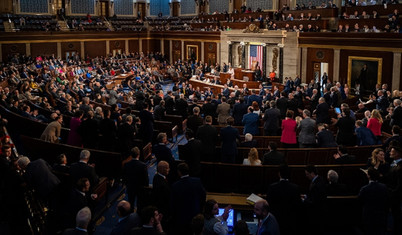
x=255, y=55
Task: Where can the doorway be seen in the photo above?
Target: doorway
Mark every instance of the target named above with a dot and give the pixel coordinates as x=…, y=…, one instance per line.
x=237, y=5
x=141, y=10
x=70, y=54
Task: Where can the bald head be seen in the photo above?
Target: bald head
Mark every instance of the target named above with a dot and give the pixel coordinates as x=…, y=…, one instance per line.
x=123, y=208
x=163, y=168
x=261, y=209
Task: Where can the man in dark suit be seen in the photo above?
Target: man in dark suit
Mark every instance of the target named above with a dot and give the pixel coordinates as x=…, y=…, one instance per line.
x=394, y=185
x=187, y=200
x=374, y=200
x=61, y=165
x=181, y=106
x=191, y=153
x=285, y=202
x=239, y=109
x=89, y=131
x=208, y=135
x=342, y=157
x=271, y=120
x=267, y=224
x=82, y=169
x=38, y=174
x=82, y=221
x=127, y=220
x=135, y=173
x=282, y=104
x=382, y=102
x=396, y=117
x=208, y=108
x=229, y=135
x=194, y=121
x=151, y=219
x=321, y=111
x=273, y=157
x=125, y=136
x=315, y=198
x=254, y=97
x=161, y=190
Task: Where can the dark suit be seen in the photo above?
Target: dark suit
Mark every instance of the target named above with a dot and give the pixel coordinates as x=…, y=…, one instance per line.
x=193, y=122
x=394, y=185
x=282, y=104
x=269, y=227
x=325, y=139
x=382, y=104
x=80, y=170
x=39, y=175
x=161, y=195
x=135, y=173
x=126, y=224
x=396, y=117
x=147, y=125
x=229, y=135
x=271, y=121
x=374, y=200
x=285, y=203
x=125, y=135
x=145, y=231
x=239, y=109
x=209, y=109
x=274, y=158
x=322, y=113
x=187, y=200
x=208, y=135
x=192, y=155
x=89, y=131
x=73, y=231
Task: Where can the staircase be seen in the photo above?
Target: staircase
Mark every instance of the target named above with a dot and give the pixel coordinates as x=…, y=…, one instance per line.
x=9, y=26
x=63, y=25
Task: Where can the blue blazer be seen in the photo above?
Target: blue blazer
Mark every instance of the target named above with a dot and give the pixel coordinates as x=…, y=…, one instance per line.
x=250, y=121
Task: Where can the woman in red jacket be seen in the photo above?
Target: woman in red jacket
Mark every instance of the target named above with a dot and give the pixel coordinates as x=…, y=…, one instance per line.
x=375, y=123
x=289, y=125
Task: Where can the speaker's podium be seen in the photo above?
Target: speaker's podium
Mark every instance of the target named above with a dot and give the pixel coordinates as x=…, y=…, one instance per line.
x=245, y=75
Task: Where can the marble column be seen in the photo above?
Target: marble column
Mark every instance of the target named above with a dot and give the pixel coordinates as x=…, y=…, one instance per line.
x=396, y=71
x=140, y=45
x=230, y=56
x=264, y=61
x=126, y=45
x=304, y=65
x=337, y=57
x=218, y=52
x=281, y=64
x=162, y=45
x=28, y=49
x=182, y=50
x=202, y=52
x=243, y=56
x=59, y=50
x=107, y=47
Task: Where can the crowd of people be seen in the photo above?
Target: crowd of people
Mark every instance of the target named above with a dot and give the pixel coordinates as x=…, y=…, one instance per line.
x=71, y=89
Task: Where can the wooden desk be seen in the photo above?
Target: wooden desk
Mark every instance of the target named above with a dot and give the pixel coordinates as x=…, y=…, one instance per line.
x=237, y=201
x=118, y=79
x=324, y=12
x=216, y=89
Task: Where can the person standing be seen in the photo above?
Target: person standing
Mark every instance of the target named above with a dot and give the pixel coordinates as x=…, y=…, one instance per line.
x=267, y=223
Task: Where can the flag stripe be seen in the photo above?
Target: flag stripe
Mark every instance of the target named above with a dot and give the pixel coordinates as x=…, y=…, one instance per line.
x=255, y=54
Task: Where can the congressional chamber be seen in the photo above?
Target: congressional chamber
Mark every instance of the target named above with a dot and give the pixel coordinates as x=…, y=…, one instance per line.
x=200, y=117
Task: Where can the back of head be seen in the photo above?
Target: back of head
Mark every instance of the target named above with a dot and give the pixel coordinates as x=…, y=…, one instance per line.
x=189, y=133
x=147, y=214
x=208, y=119
x=342, y=149
x=284, y=171
x=161, y=137
x=273, y=145
x=84, y=155
x=332, y=177
x=248, y=137
x=23, y=162
x=272, y=104
x=311, y=169
x=373, y=174
x=183, y=169
x=135, y=152
x=123, y=208
x=209, y=206
x=83, y=218
x=241, y=228
x=197, y=224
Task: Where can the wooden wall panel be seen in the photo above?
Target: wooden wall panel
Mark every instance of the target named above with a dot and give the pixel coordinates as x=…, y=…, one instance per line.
x=117, y=44
x=400, y=79
x=94, y=49
x=133, y=46
x=70, y=46
x=210, y=52
x=6, y=6
x=46, y=49
x=176, y=50
x=12, y=49
x=319, y=55
x=149, y=45
x=166, y=48
x=387, y=64
x=194, y=44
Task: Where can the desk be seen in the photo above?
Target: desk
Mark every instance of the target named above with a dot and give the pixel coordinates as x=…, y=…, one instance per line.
x=118, y=79
x=237, y=201
x=216, y=89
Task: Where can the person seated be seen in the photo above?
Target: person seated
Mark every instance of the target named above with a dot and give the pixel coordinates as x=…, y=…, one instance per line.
x=248, y=141
x=252, y=158
x=333, y=187
x=342, y=157
x=377, y=161
x=273, y=157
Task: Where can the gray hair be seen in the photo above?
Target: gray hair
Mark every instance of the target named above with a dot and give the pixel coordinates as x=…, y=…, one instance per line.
x=397, y=102
x=85, y=154
x=23, y=162
x=83, y=218
x=248, y=137
x=332, y=176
